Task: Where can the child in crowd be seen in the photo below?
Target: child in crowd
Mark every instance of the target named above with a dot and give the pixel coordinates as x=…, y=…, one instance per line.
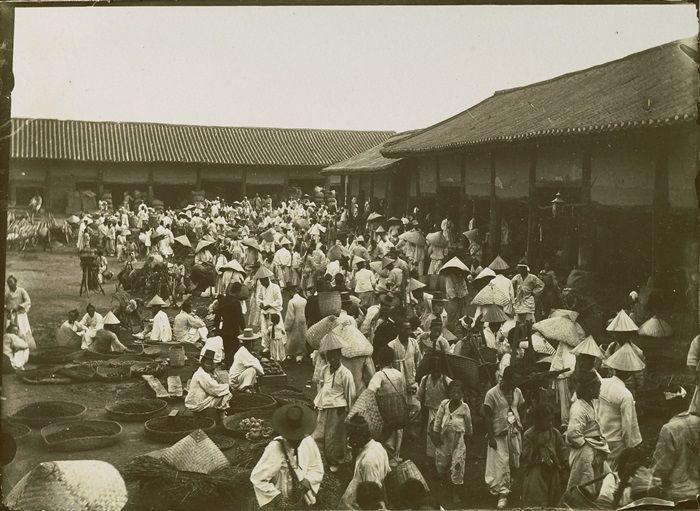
x=542, y=460
x=452, y=427
x=433, y=390
x=277, y=338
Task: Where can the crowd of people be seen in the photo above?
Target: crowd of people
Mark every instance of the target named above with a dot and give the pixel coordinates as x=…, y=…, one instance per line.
x=390, y=297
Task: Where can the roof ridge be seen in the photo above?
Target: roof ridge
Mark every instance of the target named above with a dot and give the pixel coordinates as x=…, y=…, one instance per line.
x=153, y=123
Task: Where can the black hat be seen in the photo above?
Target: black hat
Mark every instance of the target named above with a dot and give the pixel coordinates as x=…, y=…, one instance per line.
x=294, y=421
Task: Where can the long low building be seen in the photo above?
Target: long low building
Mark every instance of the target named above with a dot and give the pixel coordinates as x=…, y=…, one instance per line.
x=595, y=168
x=61, y=158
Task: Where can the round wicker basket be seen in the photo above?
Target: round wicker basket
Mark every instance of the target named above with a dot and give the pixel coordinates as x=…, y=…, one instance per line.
x=42, y=413
x=120, y=410
x=244, y=402
x=104, y=433
x=171, y=429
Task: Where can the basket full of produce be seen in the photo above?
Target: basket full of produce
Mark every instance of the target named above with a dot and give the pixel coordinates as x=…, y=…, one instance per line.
x=244, y=402
x=136, y=410
x=82, y=435
x=170, y=429
x=252, y=425
x=77, y=372
x=42, y=413
x=273, y=372
x=108, y=373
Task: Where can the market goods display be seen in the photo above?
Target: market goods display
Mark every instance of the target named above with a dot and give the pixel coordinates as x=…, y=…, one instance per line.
x=43, y=376
x=107, y=373
x=41, y=413
x=271, y=367
x=152, y=368
x=54, y=355
x=254, y=429
x=291, y=396
x=80, y=435
x=133, y=410
x=243, y=402
x=251, y=421
x=77, y=372
x=171, y=429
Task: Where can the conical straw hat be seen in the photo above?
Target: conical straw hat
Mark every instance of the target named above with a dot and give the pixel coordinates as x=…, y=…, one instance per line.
x=414, y=284
x=622, y=323
x=111, y=319
x=540, y=345
x=232, y=265
x=625, y=359
x=656, y=327
x=564, y=313
x=486, y=273
x=494, y=314
x=184, y=241
x=357, y=259
x=71, y=485
x=262, y=273
x=588, y=347
x=331, y=341
x=202, y=245
x=454, y=263
x=499, y=264
x=156, y=300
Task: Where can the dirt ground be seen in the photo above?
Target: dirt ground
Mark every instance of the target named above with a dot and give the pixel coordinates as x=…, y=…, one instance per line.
x=53, y=281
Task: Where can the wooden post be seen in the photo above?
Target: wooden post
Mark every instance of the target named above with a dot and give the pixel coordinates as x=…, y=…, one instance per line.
x=244, y=182
x=586, y=215
x=494, y=217
x=343, y=191
x=7, y=31
x=47, y=189
x=388, y=198
x=532, y=207
x=100, y=183
x=462, y=221
x=151, y=179
x=660, y=207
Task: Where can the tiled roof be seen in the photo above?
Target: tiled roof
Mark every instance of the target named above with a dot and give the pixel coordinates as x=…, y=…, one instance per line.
x=148, y=142
x=655, y=87
x=369, y=161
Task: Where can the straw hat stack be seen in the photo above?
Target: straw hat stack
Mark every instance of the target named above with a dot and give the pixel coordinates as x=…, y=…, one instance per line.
x=83, y=485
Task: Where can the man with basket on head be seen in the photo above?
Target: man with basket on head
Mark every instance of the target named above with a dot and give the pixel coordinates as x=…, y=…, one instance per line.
x=289, y=473
x=336, y=394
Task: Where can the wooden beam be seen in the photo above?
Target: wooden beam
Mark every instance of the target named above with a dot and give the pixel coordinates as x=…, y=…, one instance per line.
x=586, y=215
x=462, y=220
x=151, y=179
x=660, y=207
x=244, y=182
x=100, y=183
x=532, y=206
x=494, y=217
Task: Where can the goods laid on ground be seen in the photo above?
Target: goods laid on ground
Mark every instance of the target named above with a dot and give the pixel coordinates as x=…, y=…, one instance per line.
x=135, y=410
x=291, y=396
x=240, y=424
x=156, y=385
x=107, y=373
x=54, y=355
x=174, y=386
x=243, y=402
x=80, y=435
x=77, y=372
x=41, y=413
x=223, y=442
x=271, y=367
x=43, y=376
x=15, y=429
x=152, y=368
x=171, y=429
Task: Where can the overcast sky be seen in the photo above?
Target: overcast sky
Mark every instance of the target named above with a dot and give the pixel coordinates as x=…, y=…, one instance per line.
x=375, y=67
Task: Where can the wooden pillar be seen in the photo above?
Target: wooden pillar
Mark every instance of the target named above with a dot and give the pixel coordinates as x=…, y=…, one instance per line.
x=388, y=198
x=343, y=190
x=586, y=215
x=151, y=179
x=100, y=183
x=438, y=208
x=198, y=179
x=532, y=208
x=244, y=182
x=494, y=217
x=660, y=208
x=47, y=189
x=462, y=222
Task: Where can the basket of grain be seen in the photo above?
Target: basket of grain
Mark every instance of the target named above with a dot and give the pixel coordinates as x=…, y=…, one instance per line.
x=82, y=435
x=42, y=413
x=136, y=410
x=107, y=373
x=171, y=429
x=243, y=402
x=235, y=426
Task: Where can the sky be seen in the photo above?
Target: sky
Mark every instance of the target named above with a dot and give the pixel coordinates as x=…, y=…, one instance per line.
x=369, y=67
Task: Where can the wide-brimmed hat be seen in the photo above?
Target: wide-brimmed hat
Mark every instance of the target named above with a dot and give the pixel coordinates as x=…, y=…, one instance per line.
x=625, y=359
x=262, y=273
x=156, y=300
x=252, y=243
x=232, y=265
x=380, y=230
x=438, y=296
x=285, y=241
x=414, y=284
x=494, y=314
x=387, y=261
x=248, y=335
x=358, y=259
x=331, y=341
x=454, y=263
x=393, y=220
x=294, y=421
x=486, y=273
x=111, y=319
x=182, y=300
x=374, y=216
x=202, y=245
x=498, y=264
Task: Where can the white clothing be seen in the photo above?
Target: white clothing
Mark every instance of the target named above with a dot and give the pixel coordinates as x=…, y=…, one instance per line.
x=364, y=281
x=215, y=344
x=161, y=328
x=16, y=349
x=243, y=360
x=91, y=326
x=372, y=465
x=205, y=392
x=617, y=414
x=271, y=475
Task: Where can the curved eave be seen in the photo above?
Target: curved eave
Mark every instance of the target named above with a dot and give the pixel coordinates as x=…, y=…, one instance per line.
x=588, y=130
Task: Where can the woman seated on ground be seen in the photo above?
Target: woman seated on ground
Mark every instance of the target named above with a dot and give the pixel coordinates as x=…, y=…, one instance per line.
x=70, y=333
x=622, y=487
x=205, y=392
x=14, y=349
x=106, y=340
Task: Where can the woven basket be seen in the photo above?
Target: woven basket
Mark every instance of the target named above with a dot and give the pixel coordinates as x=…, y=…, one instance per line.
x=366, y=406
x=288, y=395
x=231, y=423
x=48, y=414
x=243, y=402
x=329, y=303
x=109, y=436
x=54, y=355
x=43, y=377
x=118, y=409
x=195, y=453
x=393, y=409
x=106, y=373
x=83, y=485
x=15, y=429
x=77, y=372
x=319, y=330
x=355, y=343
x=399, y=475
x=171, y=429
x=464, y=369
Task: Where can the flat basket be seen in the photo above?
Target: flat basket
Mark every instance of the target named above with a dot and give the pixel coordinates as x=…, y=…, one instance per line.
x=243, y=402
x=107, y=373
x=119, y=410
x=42, y=413
x=107, y=435
x=231, y=423
x=172, y=429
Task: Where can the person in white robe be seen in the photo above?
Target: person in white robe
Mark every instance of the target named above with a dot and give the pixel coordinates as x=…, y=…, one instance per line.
x=617, y=416
x=268, y=297
x=91, y=322
x=295, y=324
x=289, y=460
x=215, y=344
x=17, y=304
x=371, y=461
x=205, y=391
x=187, y=327
x=526, y=287
x=282, y=263
x=159, y=330
x=15, y=348
x=245, y=369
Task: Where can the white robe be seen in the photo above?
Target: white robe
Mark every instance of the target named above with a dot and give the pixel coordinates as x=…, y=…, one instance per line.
x=372, y=465
x=205, y=392
x=92, y=325
x=161, y=328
